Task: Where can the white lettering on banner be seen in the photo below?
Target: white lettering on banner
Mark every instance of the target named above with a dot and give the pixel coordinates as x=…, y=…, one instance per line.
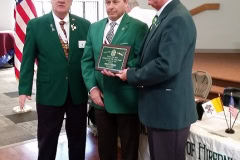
x=203, y=148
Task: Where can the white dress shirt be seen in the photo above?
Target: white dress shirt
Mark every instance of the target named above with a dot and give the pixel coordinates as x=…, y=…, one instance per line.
x=162, y=8
x=107, y=27
x=66, y=27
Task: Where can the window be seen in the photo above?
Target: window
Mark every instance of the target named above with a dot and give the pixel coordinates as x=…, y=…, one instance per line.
x=92, y=10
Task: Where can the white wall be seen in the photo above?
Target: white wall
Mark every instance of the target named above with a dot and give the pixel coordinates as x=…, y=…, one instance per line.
x=6, y=14
x=216, y=29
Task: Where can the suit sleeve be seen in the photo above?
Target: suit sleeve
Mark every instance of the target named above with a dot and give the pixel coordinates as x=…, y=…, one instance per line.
x=88, y=63
x=27, y=65
x=174, y=42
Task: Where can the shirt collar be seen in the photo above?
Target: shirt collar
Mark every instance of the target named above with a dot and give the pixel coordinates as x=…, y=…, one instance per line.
x=117, y=21
x=162, y=8
x=56, y=19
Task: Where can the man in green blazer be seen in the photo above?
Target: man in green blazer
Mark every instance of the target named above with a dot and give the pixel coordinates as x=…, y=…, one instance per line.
x=166, y=98
x=115, y=101
x=57, y=41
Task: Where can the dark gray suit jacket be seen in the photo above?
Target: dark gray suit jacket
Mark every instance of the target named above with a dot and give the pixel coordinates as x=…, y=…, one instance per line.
x=166, y=97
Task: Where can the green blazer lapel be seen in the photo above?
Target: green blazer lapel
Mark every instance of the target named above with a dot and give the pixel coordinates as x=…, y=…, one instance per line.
x=99, y=36
x=150, y=34
x=121, y=29
x=53, y=35
x=72, y=35
x=163, y=15
x=154, y=29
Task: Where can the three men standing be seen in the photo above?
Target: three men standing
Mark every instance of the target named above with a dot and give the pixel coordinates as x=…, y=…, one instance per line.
x=163, y=74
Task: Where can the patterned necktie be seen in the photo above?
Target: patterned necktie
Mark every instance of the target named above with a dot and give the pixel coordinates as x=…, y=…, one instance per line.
x=64, y=45
x=110, y=33
x=154, y=21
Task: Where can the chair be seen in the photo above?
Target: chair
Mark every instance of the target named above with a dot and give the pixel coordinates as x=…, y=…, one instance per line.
x=202, y=84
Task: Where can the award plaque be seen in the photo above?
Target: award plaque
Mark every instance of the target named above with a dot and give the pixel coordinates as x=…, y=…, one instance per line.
x=113, y=58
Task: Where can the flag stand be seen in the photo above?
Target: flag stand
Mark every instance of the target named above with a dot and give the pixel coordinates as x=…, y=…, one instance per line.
x=216, y=105
x=230, y=131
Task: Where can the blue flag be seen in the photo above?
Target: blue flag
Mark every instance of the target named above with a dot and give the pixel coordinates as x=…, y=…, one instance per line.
x=231, y=103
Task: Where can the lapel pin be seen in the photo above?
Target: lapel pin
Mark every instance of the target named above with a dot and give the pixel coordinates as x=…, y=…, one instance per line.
x=53, y=29
x=125, y=27
x=73, y=27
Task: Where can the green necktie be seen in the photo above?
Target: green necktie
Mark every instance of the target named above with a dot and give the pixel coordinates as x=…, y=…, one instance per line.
x=154, y=21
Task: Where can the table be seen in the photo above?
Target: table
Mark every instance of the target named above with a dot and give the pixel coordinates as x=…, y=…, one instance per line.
x=6, y=46
x=207, y=140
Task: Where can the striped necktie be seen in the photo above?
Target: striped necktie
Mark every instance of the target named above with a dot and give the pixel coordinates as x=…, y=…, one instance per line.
x=64, y=45
x=154, y=21
x=110, y=34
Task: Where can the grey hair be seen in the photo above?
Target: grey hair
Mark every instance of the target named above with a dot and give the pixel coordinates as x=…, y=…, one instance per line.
x=132, y=3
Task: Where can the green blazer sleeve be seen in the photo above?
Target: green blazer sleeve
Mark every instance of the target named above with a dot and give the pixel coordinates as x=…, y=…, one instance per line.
x=170, y=55
x=88, y=63
x=27, y=65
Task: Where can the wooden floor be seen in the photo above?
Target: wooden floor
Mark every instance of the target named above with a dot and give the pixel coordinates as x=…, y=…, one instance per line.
x=28, y=150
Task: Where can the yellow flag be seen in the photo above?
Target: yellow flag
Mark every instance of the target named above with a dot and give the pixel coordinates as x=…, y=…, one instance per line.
x=212, y=107
x=217, y=104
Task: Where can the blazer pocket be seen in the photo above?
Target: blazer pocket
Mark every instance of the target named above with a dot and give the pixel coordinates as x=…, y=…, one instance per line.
x=124, y=44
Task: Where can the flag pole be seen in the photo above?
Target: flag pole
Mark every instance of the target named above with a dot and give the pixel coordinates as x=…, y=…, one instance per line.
x=229, y=130
x=230, y=115
x=235, y=119
x=223, y=110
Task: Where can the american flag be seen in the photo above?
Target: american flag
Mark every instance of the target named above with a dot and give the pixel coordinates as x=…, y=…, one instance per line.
x=23, y=12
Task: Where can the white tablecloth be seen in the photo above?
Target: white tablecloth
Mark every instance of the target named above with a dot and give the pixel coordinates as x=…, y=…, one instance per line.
x=207, y=140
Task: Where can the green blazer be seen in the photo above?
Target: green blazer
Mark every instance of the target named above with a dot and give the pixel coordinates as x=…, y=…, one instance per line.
x=166, y=98
x=56, y=74
x=119, y=96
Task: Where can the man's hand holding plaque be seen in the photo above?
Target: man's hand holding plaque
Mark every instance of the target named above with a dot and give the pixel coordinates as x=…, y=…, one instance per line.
x=112, y=58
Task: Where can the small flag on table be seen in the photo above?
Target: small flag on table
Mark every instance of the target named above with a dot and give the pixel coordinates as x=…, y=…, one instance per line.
x=234, y=111
x=213, y=106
